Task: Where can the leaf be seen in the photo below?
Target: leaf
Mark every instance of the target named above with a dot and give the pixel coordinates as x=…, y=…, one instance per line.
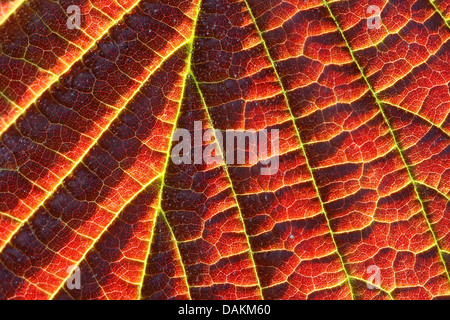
x=88, y=118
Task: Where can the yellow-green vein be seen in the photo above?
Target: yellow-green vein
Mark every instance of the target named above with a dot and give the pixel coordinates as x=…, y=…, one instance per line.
x=341, y=259
x=231, y=186
x=394, y=137
x=94, y=142
x=56, y=78
x=190, y=48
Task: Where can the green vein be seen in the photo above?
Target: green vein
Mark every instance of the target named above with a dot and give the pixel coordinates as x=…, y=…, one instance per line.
x=177, y=250
x=397, y=144
x=231, y=187
x=344, y=269
x=434, y=189
x=12, y=102
x=94, y=142
x=49, y=73
x=96, y=280
x=375, y=286
x=440, y=13
x=190, y=44
x=113, y=219
x=158, y=209
x=10, y=217
x=432, y=124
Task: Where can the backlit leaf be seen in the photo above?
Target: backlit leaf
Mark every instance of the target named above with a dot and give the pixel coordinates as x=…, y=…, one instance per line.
x=87, y=177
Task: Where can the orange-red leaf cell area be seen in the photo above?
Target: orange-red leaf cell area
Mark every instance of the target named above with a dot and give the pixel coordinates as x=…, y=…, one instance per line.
x=87, y=118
